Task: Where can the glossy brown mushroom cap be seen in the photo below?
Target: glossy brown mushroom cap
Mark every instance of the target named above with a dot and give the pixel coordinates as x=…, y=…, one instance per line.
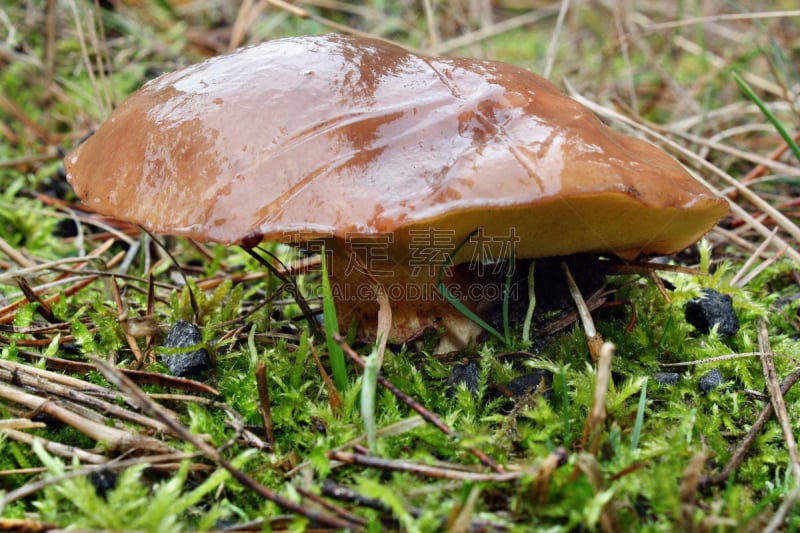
x=341, y=136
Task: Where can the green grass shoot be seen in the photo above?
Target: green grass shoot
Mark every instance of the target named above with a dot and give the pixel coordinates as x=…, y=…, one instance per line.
x=637, y=425
x=784, y=133
x=466, y=311
x=369, y=386
x=331, y=322
x=526, y=325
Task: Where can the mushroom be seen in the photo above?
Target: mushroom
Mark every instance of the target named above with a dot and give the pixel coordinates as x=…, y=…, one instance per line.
x=394, y=162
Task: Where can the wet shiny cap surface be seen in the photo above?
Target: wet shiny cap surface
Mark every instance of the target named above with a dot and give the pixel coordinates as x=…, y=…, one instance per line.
x=335, y=136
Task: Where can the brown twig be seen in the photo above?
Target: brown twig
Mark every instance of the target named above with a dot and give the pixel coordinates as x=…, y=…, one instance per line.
x=761, y=169
x=137, y=376
x=72, y=390
x=334, y=399
x=421, y=468
x=413, y=404
x=26, y=525
x=42, y=308
x=338, y=510
x=235, y=420
x=122, y=314
x=776, y=396
x=690, y=483
x=7, y=312
x=738, y=454
x=290, y=286
x=595, y=301
x=21, y=116
x=15, y=255
x=264, y=405
x=156, y=411
x=247, y=14
x=588, y=464
x=34, y=487
x=597, y=414
x=115, y=439
x=56, y=448
x=347, y=494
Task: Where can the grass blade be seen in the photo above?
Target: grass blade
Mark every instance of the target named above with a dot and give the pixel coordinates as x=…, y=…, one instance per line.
x=567, y=438
x=787, y=137
x=637, y=426
x=463, y=309
x=369, y=385
x=331, y=322
x=526, y=325
x=507, y=297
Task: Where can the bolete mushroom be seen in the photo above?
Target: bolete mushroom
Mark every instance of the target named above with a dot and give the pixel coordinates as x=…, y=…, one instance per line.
x=397, y=158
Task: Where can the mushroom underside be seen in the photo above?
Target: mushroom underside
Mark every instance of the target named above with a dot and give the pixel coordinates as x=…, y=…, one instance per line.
x=407, y=266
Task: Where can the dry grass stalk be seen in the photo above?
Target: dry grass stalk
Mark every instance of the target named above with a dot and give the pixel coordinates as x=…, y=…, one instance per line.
x=413, y=404
x=595, y=420
x=587, y=463
x=460, y=518
x=593, y=338
x=148, y=406
x=114, y=439
x=781, y=220
x=56, y=448
x=690, y=483
x=334, y=398
x=75, y=391
x=776, y=397
x=168, y=461
x=247, y=14
x=264, y=407
x=738, y=454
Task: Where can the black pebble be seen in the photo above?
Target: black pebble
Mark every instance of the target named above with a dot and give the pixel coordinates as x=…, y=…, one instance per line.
x=713, y=308
x=186, y=364
x=667, y=378
x=66, y=227
x=711, y=380
x=103, y=481
x=468, y=373
x=538, y=381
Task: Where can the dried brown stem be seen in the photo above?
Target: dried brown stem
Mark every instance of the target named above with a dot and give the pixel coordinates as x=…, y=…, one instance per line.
x=333, y=395
x=115, y=439
x=741, y=449
x=56, y=448
x=265, y=407
x=413, y=404
x=31, y=488
x=421, y=469
x=147, y=405
x=137, y=376
x=597, y=414
x=776, y=396
x=122, y=313
x=84, y=394
x=588, y=464
x=593, y=338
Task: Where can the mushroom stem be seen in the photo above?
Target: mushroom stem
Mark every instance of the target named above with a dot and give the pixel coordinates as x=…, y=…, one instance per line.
x=411, y=289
